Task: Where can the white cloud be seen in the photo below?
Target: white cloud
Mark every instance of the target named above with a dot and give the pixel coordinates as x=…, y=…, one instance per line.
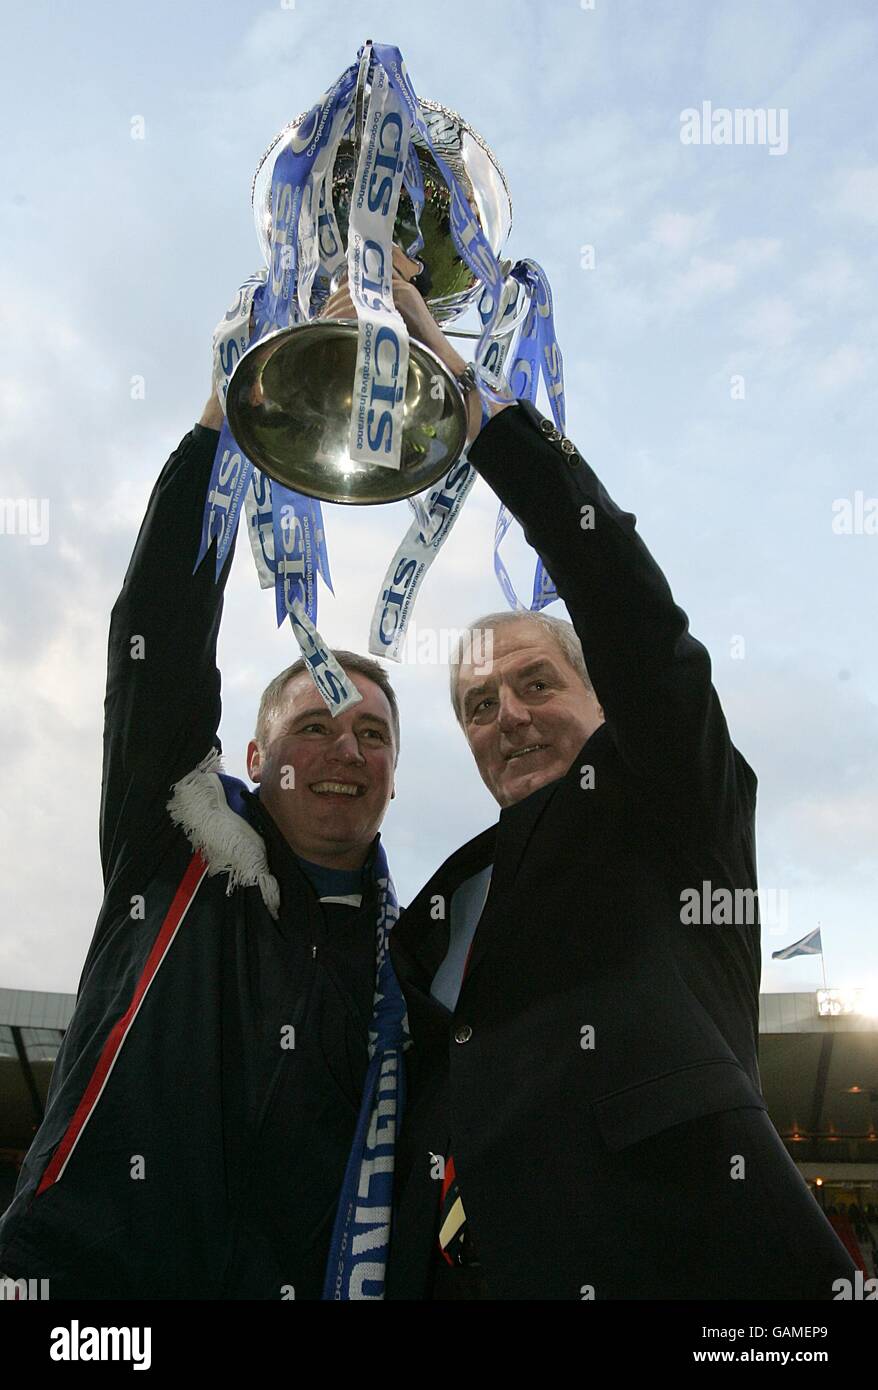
x=750, y=253
x=856, y=193
x=772, y=322
x=702, y=278
x=680, y=231
x=836, y=829
x=831, y=282
x=841, y=367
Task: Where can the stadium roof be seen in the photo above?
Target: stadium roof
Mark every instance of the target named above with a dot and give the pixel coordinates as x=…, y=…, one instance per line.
x=819, y=1073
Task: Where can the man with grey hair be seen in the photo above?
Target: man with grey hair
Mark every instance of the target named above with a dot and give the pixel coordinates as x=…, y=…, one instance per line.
x=525, y=647
x=585, y=1116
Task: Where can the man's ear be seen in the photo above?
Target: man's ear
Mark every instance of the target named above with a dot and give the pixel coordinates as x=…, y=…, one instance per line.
x=254, y=761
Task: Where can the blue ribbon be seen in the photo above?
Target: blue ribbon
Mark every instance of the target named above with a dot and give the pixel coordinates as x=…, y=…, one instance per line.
x=299, y=551
x=229, y=480
x=414, y=185
x=275, y=306
x=470, y=241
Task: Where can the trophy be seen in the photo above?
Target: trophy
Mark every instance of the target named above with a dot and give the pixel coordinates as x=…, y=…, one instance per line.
x=290, y=397
x=353, y=410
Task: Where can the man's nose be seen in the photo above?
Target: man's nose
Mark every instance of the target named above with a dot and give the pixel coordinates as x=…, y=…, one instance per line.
x=345, y=748
x=512, y=713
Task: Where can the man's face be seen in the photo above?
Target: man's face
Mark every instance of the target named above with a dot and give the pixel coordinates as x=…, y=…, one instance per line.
x=528, y=718
x=327, y=780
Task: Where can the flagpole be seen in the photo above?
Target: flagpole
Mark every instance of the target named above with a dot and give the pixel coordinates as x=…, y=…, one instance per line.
x=822, y=957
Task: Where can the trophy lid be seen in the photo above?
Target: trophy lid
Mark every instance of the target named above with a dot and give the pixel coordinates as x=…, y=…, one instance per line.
x=454, y=287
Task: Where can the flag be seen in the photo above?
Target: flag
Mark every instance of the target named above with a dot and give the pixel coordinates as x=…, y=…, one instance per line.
x=809, y=945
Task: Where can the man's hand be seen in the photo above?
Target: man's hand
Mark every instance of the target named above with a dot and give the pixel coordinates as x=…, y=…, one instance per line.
x=409, y=303
x=421, y=325
x=212, y=416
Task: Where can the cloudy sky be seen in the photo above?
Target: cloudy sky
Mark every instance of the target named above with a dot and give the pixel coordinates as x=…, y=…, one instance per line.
x=720, y=358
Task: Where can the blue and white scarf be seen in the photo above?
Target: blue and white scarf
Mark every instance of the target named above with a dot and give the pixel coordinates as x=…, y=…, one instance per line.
x=361, y=1235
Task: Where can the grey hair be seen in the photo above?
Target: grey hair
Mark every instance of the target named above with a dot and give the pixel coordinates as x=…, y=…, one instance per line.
x=271, y=705
x=562, y=633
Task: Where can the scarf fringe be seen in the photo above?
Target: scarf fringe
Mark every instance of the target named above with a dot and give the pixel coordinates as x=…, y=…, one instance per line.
x=229, y=845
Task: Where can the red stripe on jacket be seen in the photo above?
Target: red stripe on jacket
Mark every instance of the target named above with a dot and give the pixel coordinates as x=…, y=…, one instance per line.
x=180, y=905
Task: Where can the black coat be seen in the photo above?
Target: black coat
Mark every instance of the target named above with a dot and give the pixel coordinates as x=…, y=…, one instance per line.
x=184, y=1153
x=604, y=1171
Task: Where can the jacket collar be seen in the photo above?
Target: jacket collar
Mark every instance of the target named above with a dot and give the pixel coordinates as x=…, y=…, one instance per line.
x=207, y=804
x=419, y=942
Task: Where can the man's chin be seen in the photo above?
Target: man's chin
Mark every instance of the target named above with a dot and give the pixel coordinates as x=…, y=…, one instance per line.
x=521, y=783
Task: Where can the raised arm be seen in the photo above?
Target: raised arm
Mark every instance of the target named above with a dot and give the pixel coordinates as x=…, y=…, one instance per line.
x=651, y=676
x=162, y=707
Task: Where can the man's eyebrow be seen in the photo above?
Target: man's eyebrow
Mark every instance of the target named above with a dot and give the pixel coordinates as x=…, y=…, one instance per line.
x=542, y=664
x=308, y=714
x=324, y=712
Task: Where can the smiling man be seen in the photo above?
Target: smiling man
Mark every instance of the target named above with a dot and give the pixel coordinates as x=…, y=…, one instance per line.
x=202, y=1118
x=528, y=719
x=338, y=769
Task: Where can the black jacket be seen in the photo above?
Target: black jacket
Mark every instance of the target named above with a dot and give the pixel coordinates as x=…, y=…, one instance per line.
x=185, y=1153
x=604, y=1171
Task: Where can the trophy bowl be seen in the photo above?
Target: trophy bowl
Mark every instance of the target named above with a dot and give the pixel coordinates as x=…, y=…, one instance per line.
x=290, y=411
